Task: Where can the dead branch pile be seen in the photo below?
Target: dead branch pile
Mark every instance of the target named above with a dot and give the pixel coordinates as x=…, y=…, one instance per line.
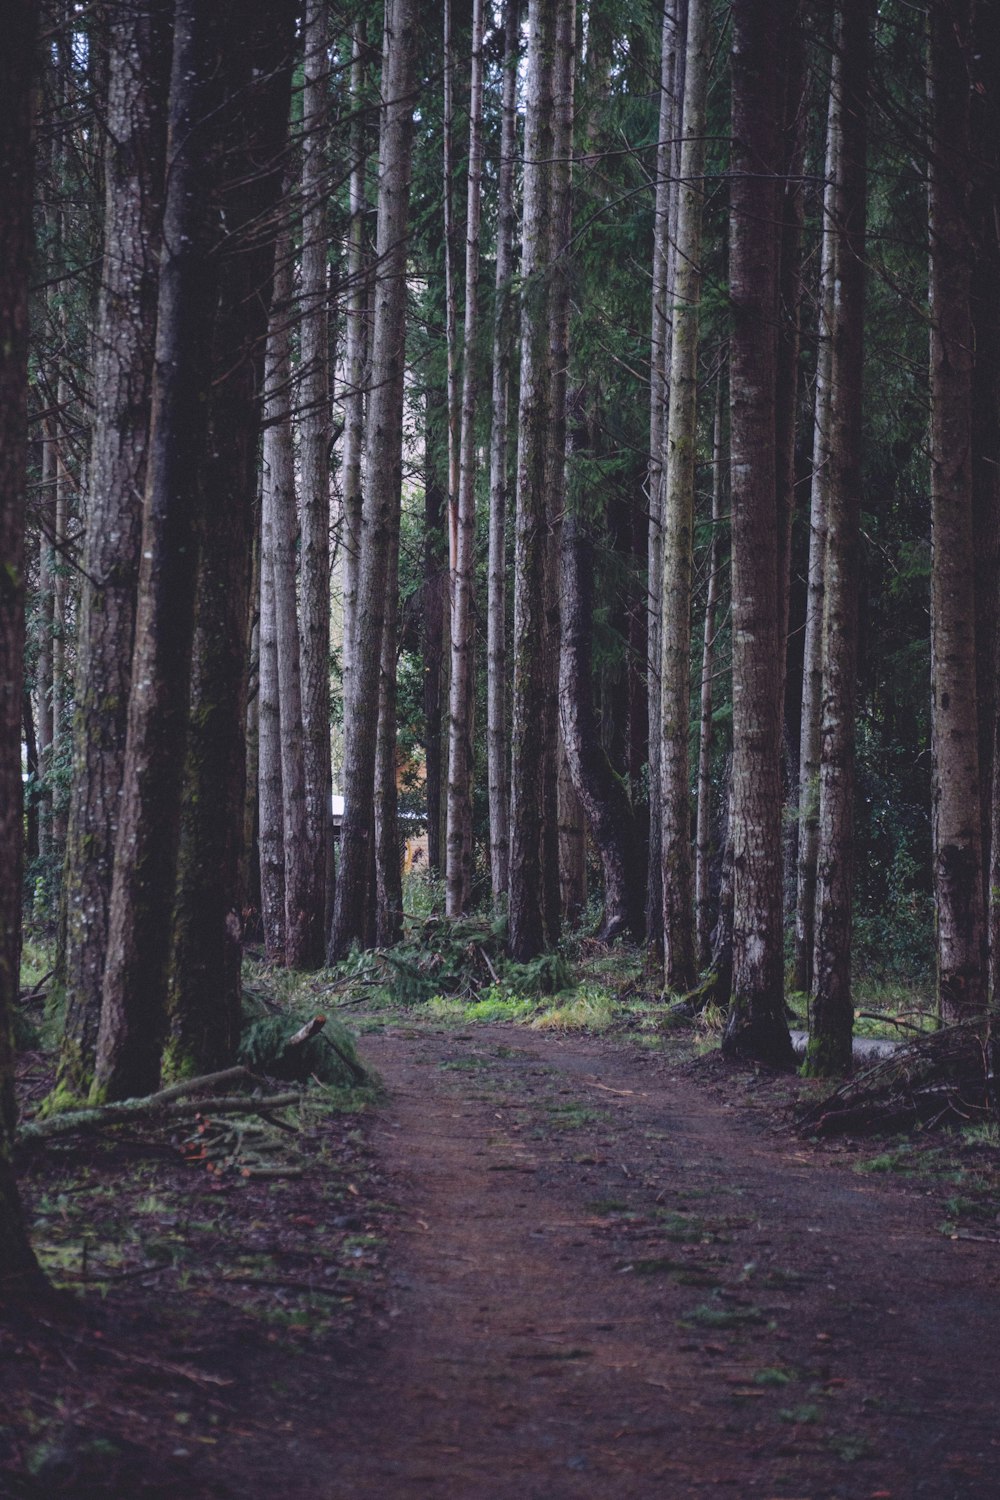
x=945, y=1078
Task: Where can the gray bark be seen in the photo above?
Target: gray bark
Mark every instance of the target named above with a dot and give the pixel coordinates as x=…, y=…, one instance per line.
x=527, y=930
x=458, y=849
x=384, y=477
x=496, y=686
x=139, y=43
x=832, y=1011
x=678, y=523
x=314, y=431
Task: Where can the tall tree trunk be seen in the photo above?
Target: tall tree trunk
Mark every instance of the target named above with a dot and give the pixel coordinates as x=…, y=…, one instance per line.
x=496, y=685
x=388, y=855
x=459, y=851
x=280, y=516
x=678, y=523
x=135, y=978
x=19, y=1273
x=812, y=670
x=703, y=826
x=435, y=585
x=139, y=43
x=384, y=476
x=756, y=1026
x=271, y=826
x=454, y=407
x=561, y=230
x=958, y=875
x=314, y=428
x=205, y=995
x=832, y=1010
x=526, y=919
x=602, y=793
x=355, y=355
x=664, y=225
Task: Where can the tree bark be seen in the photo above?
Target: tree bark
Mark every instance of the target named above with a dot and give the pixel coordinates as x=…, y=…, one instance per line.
x=139, y=45
x=281, y=516
x=958, y=872
x=664, y=225
x=830, y=1046
x=133, y=1015
x=703, y=826
x=526, y=935
x=384, y=477
x=19, y=1272
x=434, y=613
x=459, y=852
x=756, y=1026
x=496, y=686
x=205, y=995
x=678, y=523
x=271, y=827
x=314, y=429
x=602, y=793
x=812, y=671
x=355, y=355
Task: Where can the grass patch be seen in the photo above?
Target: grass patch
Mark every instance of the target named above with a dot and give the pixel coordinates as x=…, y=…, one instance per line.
x=712, y=1315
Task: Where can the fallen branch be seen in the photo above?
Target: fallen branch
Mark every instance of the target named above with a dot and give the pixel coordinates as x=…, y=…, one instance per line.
x=170, y=1103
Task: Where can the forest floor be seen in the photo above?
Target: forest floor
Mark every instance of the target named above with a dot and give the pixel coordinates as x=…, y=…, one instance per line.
x=545, y=1265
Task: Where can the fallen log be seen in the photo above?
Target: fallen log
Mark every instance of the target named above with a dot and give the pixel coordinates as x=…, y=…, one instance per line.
x=170, y=1103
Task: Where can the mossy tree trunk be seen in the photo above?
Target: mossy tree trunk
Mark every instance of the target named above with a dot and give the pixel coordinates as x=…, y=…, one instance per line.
x=138, y=64
x=204, y=996
x=19, y=1273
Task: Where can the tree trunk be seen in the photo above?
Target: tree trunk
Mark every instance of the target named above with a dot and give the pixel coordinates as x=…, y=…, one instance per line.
x=281, y=516
x=526, y=920
x=756, y=1026
x=664, y=224
x=271, y=826
x=812, y=671
x=135, y=978
x=703, y=826
x=678, y=524
x=561, y=230
x=314, y=428
x=496, y=687
x=205, y=995
x=958, y=874
x=435, y=585
x=19, y=1273
x=139, y=43
x=384, y=477
x=459, y=851
x=355, y=355
x=388, y=855
x=601, y=792
x=832, y=1012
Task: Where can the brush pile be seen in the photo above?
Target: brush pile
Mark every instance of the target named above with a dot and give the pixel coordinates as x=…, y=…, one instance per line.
x=946, y=1078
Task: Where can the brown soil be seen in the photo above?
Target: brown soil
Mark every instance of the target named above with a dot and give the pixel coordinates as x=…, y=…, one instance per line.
x=580, y=1270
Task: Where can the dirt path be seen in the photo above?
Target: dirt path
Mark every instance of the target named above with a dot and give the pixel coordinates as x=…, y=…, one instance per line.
x=607, y=1283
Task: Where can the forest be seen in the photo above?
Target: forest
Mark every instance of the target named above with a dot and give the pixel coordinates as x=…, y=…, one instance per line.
x=534, y=465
